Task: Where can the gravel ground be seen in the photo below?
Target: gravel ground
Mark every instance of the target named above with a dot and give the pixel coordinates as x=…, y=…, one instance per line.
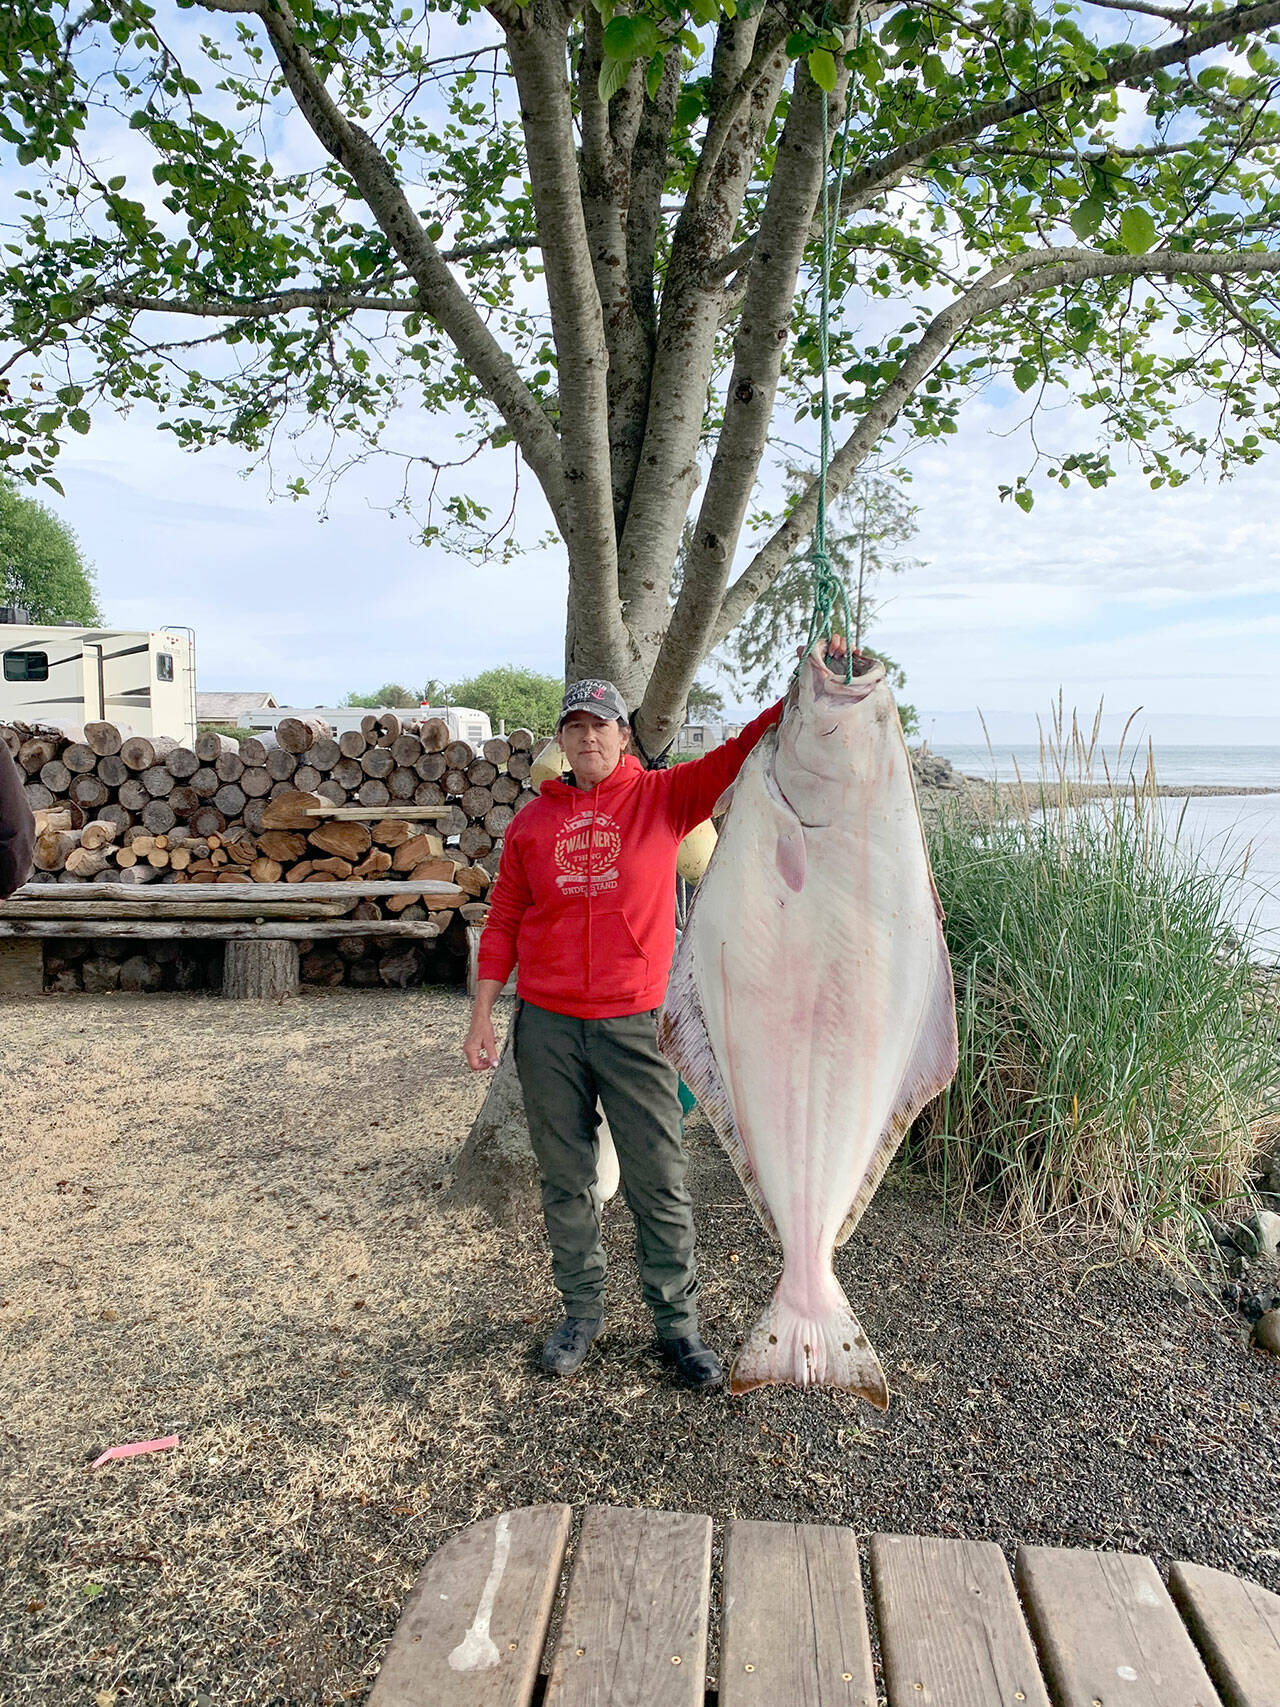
x=219, y=1220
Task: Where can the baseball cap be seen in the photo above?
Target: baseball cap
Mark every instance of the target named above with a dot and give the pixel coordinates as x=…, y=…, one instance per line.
x=600, y=698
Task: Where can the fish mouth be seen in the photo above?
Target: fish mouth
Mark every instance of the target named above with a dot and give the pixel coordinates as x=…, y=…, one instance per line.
x=828, y=683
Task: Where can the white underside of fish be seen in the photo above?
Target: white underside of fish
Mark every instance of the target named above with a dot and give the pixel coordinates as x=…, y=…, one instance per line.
x=811, y=1011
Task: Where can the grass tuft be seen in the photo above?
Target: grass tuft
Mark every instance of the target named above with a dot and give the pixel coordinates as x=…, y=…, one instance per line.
x=1118, y=1048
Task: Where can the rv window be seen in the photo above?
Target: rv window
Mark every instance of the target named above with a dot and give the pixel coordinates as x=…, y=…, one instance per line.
x=164, y=666
x=26, y=666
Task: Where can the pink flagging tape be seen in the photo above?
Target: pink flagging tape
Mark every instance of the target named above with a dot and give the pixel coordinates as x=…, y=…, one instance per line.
x=134, y=1450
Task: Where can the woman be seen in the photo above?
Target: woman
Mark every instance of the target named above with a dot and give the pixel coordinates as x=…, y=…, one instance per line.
x=584, y=904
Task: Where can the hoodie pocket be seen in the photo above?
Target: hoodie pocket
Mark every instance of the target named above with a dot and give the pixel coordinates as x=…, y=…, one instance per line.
x=619, y=966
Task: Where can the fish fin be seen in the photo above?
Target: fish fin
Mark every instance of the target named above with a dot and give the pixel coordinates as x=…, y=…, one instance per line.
x=790, y=1349
x=682, y=1036
x=790, y=856
x=930, y=1070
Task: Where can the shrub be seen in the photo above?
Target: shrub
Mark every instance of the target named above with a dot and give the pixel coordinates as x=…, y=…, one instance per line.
x=1117, y=1047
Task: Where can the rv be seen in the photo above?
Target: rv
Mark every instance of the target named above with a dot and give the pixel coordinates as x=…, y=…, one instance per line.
x=62, y=673
x=464, y=724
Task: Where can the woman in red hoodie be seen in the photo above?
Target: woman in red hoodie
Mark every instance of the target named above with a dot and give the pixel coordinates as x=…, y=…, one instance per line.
x=584, y=905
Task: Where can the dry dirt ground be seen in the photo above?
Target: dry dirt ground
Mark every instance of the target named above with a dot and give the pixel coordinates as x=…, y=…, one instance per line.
x=218, y=1220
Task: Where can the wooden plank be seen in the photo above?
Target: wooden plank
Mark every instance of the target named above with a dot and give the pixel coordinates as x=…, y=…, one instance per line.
x=635, y=1621
x=472, y=1629
x=239, y=930
x=951, y=1631
x=1236, y=1626
x=21, y=969
x=1108, y=1632
x=356, y=889
x=245, y=906
x=794, y=1627
x=410, y=814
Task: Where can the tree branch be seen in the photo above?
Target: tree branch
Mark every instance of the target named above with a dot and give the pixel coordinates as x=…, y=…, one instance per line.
x=440, y=296
x=608, y=138
x=1023, y=275
x=251, y=308
x=863, y=186
x=537, y=45
x=668, y=469
x=1174, y=14
x=799, y=174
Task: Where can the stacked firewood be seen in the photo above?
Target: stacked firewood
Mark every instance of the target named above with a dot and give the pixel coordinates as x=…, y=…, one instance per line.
x=113, y=806
x=117, y=808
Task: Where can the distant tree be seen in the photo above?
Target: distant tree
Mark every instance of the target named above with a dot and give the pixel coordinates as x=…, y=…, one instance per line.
x=523, y=699
x=391, y=694
x=867, y=530
x=40, y=563
x=704, y=698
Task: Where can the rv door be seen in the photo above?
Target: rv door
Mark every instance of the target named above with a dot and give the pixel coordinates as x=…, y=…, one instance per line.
x=95, y=682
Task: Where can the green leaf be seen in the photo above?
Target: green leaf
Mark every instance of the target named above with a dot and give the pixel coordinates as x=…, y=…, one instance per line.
x=688, y=107
x=613, y=74
x=1137, y=230
x=822, y=68
x=1086, y=217
x=1024, y=499
x=631, y=38
x=78, y=420
x=653, y=76
x=1025, y=374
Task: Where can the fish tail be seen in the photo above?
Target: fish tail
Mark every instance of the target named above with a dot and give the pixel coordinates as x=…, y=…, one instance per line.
x=807, y=1347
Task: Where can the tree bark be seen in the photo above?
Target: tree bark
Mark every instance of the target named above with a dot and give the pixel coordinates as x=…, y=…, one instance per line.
x=264, y=971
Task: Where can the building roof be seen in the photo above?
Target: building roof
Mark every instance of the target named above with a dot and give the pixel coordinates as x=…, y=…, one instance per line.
x=228, y=707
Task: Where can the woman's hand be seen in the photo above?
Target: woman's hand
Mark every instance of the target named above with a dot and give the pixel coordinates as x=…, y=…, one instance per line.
x=481, y=1046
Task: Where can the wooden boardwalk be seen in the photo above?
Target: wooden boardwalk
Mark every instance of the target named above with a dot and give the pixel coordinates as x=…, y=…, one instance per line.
x=955, y=1629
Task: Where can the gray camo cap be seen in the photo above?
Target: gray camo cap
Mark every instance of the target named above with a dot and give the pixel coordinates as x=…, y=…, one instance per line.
x=600, y=698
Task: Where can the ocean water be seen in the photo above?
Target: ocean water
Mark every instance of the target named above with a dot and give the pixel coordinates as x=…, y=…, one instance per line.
x=1238, y=834
x=1203, y=767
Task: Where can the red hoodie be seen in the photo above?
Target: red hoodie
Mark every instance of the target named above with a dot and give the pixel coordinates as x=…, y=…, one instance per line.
x=585, y=897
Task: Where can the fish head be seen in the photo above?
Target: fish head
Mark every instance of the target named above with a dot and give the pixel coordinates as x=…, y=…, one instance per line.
x=824, y=730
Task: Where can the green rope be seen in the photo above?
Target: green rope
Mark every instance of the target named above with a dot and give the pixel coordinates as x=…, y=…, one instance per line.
x=829, y=592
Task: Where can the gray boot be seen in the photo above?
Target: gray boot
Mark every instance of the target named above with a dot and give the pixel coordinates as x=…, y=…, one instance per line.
x=569, y=1344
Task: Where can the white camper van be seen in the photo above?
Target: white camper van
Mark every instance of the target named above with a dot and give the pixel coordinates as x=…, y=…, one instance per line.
x=464, y=723
x=145, y=682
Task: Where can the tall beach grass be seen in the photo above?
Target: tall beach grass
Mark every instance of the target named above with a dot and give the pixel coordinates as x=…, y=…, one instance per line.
x=1119, y=1052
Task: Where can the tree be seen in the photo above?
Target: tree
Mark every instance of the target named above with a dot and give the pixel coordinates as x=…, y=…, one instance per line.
x=869, y=525
x=41, y=567
x=522, y=699
x=393, y=696
x=590, y=234
x=704, y=698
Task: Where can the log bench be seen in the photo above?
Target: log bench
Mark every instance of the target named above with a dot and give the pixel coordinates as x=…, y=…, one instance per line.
x=954, y=1628
x=261, y=923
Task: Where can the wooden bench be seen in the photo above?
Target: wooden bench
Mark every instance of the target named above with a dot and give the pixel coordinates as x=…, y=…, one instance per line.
x=260, y=923
x=954, y=1627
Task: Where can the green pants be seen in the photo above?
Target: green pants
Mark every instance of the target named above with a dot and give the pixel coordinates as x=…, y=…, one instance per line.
x=564, y=1066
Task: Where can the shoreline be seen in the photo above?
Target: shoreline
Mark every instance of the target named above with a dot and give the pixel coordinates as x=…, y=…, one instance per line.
x=1162, y=790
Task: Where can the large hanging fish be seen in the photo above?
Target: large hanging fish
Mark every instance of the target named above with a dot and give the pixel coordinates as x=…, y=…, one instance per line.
x=811, y=1008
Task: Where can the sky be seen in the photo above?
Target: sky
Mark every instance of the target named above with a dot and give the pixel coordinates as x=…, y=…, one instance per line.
x=1162, y=603
x=1165, y=602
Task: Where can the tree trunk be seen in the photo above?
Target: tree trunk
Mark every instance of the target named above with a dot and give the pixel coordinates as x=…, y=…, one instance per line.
x=495, y=1170
x=263, y=970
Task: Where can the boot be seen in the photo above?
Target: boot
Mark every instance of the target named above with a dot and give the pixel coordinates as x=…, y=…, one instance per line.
x=695, y=1363
x=569, y=1344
